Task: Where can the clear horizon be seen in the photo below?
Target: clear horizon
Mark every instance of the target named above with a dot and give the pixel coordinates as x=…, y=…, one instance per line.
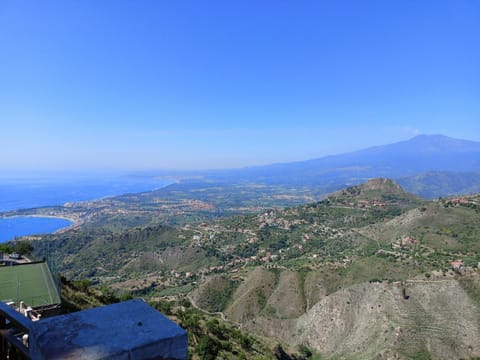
x=144, y=86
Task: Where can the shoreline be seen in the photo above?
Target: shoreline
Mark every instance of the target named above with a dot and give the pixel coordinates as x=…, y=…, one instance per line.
x=73, y=223
x=76, y=220
x=72, y=219
x=65, y=204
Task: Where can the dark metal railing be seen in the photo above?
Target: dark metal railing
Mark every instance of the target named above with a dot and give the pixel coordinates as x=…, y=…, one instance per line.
x=13, y=326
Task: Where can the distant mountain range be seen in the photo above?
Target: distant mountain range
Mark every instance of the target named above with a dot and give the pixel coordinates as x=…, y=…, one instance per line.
x=427, y=165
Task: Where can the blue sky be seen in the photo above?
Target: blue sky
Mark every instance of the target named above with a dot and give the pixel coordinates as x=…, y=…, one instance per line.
x=141, y=85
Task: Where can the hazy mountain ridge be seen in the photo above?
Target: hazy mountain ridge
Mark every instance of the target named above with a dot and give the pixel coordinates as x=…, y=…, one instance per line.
x=430, y=152
x=435, y=184
x=442, y=158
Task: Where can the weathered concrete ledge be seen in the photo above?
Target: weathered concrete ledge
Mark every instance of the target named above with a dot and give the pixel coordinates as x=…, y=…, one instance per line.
x=126, y=330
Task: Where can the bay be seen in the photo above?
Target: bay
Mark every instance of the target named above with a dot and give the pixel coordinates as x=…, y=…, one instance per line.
x=31, y=192
x=17, y=226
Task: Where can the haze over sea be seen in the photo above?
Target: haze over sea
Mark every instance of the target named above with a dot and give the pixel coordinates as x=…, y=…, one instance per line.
x=22, y=192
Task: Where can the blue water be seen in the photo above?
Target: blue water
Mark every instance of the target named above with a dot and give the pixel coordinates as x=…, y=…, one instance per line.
x=25, y=193
x=29, y=192
x=24, y=225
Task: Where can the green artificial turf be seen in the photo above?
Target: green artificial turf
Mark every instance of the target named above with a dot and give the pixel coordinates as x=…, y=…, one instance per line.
x=31, y=283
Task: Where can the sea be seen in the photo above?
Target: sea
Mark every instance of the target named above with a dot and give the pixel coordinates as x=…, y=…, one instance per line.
x=25, y=192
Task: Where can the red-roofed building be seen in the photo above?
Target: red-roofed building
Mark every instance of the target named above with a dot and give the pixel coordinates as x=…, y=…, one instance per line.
x=457, y=264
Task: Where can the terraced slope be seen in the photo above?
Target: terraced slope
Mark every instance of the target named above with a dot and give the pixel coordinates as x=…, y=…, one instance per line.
x=250, y=298
x=438, y=319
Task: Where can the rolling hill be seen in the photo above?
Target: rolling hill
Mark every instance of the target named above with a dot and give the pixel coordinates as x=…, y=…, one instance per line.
x=366, y=271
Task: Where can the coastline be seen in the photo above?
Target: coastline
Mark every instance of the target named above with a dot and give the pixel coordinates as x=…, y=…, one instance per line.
x=63, y=211
x=66, y=197
x=32, y=234
x=72, y=219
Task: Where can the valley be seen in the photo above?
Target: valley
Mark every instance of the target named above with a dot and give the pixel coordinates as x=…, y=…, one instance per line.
x=370, y=269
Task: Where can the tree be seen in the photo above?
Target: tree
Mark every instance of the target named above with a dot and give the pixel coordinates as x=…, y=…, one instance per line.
x=6, y=248
x=208, y=348
x=23, y=247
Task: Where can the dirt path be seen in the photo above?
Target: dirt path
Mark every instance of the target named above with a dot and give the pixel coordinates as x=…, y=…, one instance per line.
x=222, y=315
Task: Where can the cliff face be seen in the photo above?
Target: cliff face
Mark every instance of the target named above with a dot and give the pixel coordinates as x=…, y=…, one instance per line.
x=438, y=318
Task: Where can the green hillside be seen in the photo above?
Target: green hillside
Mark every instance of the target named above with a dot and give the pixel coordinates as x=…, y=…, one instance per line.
x=369, y=246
